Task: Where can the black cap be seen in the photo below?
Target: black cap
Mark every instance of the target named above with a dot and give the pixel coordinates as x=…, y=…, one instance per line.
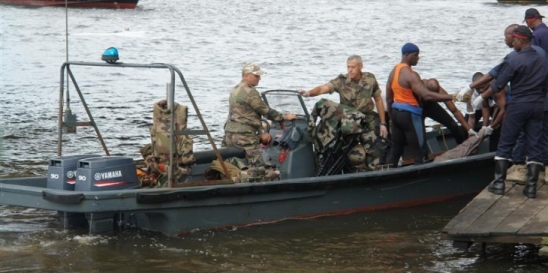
x=532, y=13
x=523, y=32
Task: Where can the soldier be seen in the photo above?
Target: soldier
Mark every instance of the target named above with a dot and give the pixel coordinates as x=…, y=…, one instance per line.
x=244, y=116
x=357, y=89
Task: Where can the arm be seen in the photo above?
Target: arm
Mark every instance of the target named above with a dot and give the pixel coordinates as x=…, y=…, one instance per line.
x=382, y=118
x=469, y=89
x=501, y=102
x=472, y=120
x=486, y=114
x=420, y=89
x=380, y=108
x=506, y=73
x=456, y=112
x=259, y=106
x=389, y=94
x=318, y=90
x=485, y=79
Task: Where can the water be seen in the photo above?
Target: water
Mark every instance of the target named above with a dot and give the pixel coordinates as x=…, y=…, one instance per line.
x=301, y=44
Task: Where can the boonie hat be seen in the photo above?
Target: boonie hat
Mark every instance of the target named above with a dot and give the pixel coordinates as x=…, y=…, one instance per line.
x=253, y=69
x=532, y=14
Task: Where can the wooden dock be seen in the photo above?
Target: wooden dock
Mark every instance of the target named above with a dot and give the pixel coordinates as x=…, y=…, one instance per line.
x=510, y=218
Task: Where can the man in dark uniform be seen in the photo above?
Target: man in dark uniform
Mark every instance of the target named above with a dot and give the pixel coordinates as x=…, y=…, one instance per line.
x=533, y=19
x=518, y=173
x=527, y=73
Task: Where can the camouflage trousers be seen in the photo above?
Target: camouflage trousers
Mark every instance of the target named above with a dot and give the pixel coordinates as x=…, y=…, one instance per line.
x=248, y=141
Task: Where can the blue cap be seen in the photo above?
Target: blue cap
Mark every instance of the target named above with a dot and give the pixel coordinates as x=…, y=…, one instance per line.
x=409, y=48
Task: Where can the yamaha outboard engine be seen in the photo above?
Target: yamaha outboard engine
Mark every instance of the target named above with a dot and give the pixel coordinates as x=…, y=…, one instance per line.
x=106, y=173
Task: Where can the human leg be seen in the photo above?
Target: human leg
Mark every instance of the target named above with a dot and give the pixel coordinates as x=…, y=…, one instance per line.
x=545, y=144
x=534, y=148
x=512, y=125
x=248, y=141
x=397, y=138
x=437, y=113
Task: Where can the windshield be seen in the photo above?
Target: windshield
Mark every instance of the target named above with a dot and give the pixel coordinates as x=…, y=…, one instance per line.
x=286, y=101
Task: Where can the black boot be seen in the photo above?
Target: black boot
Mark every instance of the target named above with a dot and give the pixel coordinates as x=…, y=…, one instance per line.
x=530, y=189
x=497, y=186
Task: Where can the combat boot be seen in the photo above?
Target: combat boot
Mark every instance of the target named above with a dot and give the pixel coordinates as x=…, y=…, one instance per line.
x=533, y=170
x=497, y=186
x=518, y=174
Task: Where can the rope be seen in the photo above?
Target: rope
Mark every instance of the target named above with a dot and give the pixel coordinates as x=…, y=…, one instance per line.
x=440, y=128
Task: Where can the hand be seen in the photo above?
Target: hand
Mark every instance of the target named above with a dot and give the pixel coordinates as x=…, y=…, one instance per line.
x=471, y=132
x=462, y=92
x=304, y=93
x=477, y=102
x=290, y=116
x=383, y=130
x=488, y=130
x=265, y=138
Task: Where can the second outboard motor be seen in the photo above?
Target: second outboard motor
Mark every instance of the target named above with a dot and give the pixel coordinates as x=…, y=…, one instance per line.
x=106, y=173
x=62, y=171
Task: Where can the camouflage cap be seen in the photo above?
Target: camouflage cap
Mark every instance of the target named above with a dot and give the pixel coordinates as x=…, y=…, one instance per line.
x=253, y=68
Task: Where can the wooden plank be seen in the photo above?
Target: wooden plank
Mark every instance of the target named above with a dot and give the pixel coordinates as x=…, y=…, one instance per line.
x=538, y=225
x=473, y=210
x=536, y=240
x=523, y=214
x=494, y=215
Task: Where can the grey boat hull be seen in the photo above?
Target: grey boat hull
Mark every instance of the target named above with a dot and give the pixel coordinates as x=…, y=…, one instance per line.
x=178, y=210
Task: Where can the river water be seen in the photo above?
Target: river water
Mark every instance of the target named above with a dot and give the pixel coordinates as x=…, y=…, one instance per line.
x=301, y=44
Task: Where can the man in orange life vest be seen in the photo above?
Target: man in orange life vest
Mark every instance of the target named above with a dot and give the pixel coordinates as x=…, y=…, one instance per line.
x=402, y=88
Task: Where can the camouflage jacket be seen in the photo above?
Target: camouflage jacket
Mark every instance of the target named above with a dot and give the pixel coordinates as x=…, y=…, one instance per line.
x=357, y=95
x=246, y=108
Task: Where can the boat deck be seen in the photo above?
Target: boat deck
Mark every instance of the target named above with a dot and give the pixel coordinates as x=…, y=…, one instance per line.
x=508, y=218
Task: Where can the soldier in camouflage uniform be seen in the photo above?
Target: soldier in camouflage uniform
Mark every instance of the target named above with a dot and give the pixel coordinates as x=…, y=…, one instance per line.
x=244, y=117
x=358, y=89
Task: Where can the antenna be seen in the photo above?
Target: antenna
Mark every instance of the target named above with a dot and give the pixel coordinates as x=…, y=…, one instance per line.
x=69, y=119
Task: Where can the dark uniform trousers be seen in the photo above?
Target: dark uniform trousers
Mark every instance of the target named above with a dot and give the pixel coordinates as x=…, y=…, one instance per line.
x=528, y=116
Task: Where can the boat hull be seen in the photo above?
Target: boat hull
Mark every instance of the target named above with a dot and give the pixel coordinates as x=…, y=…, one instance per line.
x=179, y=210
x=523, y=2
x=113, y=4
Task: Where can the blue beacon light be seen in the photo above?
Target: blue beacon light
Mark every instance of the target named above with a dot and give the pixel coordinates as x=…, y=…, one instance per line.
x=110, y=55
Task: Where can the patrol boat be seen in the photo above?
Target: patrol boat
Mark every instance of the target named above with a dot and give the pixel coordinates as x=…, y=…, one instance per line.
x=111, y=4
x=103, y=193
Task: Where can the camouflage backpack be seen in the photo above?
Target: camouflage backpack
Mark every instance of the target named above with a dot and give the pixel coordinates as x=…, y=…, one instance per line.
x=160, y=136
x=336, y=120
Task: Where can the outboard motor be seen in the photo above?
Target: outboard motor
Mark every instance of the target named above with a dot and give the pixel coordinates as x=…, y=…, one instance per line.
x=106, y=173
x=62, y=171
